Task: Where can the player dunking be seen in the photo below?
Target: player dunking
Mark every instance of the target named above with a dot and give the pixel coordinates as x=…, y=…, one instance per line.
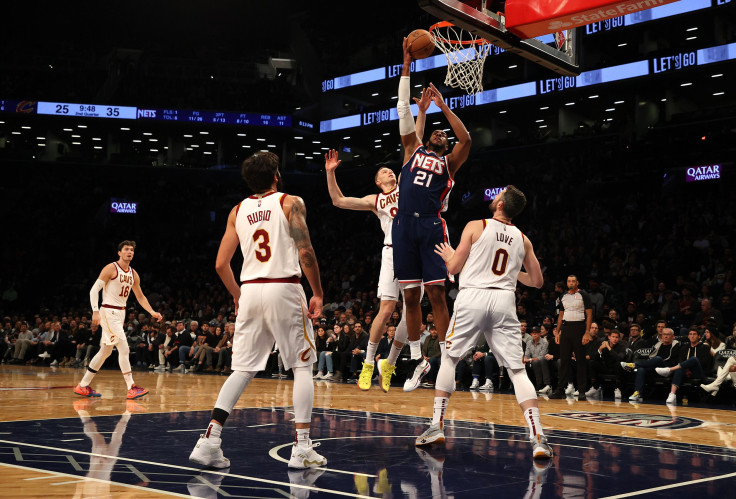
x=116, y=281
x=425, y=183
x=271, y=229
x=384, y=205
x=490, y=254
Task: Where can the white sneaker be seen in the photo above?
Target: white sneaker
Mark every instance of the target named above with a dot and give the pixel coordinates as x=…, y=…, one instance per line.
x=570, y=389
x=421, y=368
x=487, y=386
x=432, y=435
x=593, y=392
x=575, y=393
x=328, y=376
x=475, y=384
x=44, y=355
x=671, y=399
x=544, y=391
x=617, y=394
x=304, y=456
x=541, y=448
x=319, y=375
x=208, y=453
x=54, y=363
x=663, y=371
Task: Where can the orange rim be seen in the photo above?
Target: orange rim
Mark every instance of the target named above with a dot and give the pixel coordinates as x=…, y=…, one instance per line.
x=446, y=24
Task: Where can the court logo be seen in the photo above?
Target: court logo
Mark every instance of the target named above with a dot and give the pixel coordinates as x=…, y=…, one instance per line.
x=654, y=421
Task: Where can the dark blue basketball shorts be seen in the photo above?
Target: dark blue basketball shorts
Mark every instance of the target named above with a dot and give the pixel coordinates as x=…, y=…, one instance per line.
x=413, y=240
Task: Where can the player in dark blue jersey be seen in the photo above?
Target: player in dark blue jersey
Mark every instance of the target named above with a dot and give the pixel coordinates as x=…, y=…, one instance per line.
x=425, y=183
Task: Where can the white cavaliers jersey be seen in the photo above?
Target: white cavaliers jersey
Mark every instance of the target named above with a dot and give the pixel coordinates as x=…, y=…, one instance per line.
x=495, y=258
x=117, y=289
x=387, y=204
x=268, y=249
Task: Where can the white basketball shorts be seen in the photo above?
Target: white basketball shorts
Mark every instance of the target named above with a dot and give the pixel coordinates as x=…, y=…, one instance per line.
x=271, y=312
x=111, y=322
x=388, y=286
x=491, y=312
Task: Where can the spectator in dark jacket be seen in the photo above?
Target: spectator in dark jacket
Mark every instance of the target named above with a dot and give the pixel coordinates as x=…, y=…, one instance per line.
x=695, y=361
x=666, y=353
x=607, y=359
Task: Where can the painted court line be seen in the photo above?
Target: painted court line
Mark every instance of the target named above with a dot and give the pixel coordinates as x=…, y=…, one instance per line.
x=56, y=474
x=672, y=486
x=185, y=468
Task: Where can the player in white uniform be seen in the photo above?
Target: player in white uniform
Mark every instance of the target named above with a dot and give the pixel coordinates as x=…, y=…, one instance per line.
x=491, y=253
x=271, y=229
x=116, y=281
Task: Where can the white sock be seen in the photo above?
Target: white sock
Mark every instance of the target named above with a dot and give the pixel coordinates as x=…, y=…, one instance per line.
x=214, y=430
x=128, y=377
x=438, y=412
x=416, y=350
x=393, y=354
x=531, y=416
x=370, y=353
x=302, y=437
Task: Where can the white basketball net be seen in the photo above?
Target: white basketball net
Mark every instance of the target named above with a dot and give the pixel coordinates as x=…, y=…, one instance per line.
x=465, y=57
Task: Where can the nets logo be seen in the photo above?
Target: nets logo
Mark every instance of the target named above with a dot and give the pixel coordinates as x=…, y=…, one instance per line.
x=653, y=421
x=147, y=113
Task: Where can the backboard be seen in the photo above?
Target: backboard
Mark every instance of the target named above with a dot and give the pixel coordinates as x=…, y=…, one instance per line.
x=475, y=16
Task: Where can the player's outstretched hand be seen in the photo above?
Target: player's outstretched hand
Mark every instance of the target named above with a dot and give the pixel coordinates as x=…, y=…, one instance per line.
x=315, y=307
x=425, y=100
x=157, y=316
x=436, y=95
x=445, y=251
x=407, y=53
x=331, y=161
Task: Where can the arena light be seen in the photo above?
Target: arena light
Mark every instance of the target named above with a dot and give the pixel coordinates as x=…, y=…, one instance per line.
x=719, y=93
x=147, y=133
x=241, y=135
x=543, y=108
x=619, y=102
x=622, y=44
x=204, y=133
x=502, y=112
x=137, y=141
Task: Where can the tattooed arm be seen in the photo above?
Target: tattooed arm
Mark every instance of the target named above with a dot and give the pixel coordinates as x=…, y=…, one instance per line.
x=296, y=213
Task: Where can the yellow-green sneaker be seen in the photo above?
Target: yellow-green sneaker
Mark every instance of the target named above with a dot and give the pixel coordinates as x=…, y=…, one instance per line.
x=385, y=372
x=366, y=376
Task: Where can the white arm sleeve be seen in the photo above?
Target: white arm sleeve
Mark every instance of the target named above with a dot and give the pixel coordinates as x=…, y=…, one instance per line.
x=406, y=120
x=94, y=294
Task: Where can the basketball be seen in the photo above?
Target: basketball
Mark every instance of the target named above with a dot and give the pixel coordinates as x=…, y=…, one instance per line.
x=421, y=44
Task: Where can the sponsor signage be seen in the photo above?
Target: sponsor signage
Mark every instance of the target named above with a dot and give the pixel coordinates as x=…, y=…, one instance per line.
x=529, y=20
x=123, y=206
x=705, y=172
x=491, y=193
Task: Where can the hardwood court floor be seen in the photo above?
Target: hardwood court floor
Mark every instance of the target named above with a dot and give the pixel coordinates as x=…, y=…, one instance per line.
x=41, y=417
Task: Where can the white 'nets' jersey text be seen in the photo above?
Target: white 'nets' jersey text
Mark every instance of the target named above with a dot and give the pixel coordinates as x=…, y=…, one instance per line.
x=118, y=288
x=495, y=259
x=268, y=249
x=387, y=204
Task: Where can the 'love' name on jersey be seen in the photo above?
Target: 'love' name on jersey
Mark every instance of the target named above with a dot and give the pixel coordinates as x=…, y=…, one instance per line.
x=389, y=199
x=259, y=216
x=503, y=238
x=429, y=163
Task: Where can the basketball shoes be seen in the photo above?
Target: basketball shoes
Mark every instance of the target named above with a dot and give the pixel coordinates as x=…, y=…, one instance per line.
x=366, y=376
x=304, y=456
x=419, y=368
x=86, y=391
x=385, y=372
x=540, y=448
x=136, y=392
x=432, y=435
x=208, y=452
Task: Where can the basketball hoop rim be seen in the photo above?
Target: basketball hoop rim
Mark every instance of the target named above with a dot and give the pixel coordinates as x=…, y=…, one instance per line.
x=446, y=24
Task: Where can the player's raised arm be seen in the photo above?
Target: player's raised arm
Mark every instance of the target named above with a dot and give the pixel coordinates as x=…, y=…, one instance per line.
x=142, y=298
x=366, y=203
x=297, y=215
x=228, y=245
x=533, y=276
x=462, y=149
x=455, y=259
x=422, y=104
x=407, y=127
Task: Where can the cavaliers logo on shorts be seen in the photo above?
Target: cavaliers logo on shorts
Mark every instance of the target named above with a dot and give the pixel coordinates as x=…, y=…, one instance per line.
x=306, y=354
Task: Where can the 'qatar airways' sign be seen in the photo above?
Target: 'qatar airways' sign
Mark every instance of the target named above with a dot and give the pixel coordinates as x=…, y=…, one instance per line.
x=120, y=206
x=490, y=193
x=707, y=172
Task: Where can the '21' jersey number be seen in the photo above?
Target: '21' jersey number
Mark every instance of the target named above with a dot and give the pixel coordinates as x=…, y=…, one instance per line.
x=423, y=178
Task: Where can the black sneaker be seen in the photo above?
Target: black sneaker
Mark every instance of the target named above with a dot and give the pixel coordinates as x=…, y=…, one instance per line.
x=557, y=394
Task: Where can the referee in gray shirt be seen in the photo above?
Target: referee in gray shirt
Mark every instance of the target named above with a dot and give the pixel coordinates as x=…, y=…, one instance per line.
x=576, y=315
